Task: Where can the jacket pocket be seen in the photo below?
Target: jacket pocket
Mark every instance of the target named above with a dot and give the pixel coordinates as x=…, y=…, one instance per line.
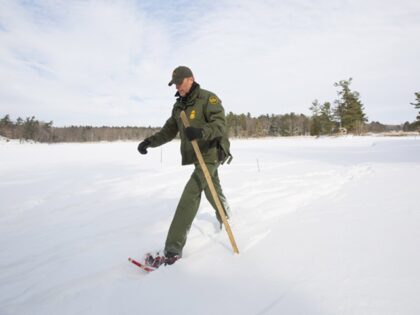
x=223, y=151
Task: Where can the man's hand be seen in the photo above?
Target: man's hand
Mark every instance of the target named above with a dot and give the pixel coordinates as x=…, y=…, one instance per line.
x=193, y=133
x=142, y=148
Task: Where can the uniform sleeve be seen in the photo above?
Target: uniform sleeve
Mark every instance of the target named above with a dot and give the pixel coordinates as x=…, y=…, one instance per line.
x=166, y=134
x=215, y=115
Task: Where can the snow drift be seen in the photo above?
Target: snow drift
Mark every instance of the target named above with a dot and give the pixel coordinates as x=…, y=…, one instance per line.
x=323, y=226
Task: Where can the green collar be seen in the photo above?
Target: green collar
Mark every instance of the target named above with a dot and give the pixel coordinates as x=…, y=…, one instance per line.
x=189, y=99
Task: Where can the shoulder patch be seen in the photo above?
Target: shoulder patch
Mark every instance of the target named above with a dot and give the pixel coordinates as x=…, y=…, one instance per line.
x=213, y=100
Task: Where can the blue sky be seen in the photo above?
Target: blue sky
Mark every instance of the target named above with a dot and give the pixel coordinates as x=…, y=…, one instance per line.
x=109, y=62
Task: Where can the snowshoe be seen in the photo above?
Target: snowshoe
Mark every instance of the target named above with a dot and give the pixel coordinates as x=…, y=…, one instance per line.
x=155, y=261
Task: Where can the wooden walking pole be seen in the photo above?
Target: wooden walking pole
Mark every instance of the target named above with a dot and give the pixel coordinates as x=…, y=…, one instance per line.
x=211, y=185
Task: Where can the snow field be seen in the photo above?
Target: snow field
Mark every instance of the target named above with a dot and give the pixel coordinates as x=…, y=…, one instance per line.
x=324, y=226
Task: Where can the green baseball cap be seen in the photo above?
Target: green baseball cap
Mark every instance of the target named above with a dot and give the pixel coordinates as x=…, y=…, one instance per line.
x=179, y=74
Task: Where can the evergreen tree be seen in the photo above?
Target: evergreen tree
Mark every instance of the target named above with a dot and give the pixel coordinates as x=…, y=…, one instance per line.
x=30, y=128
x=6, y=127
x=417, y=106
x=322, y=119
x=327, y=118
x=316, y=127
x=349, y=108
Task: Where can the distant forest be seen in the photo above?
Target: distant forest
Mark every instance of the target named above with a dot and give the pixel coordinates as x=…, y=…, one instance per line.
x=341, y=116
x=33, y=129
x=239, y=126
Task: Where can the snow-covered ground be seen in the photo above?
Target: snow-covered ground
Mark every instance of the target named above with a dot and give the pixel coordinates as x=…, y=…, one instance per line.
x=324, y=226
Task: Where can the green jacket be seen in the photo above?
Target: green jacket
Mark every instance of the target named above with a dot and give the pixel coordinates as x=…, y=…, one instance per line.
x=204, y=110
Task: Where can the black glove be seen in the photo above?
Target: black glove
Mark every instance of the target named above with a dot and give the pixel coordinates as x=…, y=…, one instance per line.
x=142, y=148
x=193, y=133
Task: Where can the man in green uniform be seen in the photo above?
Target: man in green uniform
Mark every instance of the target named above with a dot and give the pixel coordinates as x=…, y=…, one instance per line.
x=208, y=126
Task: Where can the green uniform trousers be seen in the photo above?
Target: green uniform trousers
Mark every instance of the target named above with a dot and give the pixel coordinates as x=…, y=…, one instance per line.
x=188, y=207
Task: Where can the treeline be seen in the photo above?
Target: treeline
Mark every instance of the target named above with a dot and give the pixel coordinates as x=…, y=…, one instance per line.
x=239, y=126
x=346, y=115
x=28, y=129
x=341, y=116
x=33, y=129
x=87, y=133
x=377, y=127
x=243, y=126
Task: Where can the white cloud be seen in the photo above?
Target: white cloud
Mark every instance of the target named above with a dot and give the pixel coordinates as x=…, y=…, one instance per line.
x=278, y=58
x=101, y=62
x=93, y=65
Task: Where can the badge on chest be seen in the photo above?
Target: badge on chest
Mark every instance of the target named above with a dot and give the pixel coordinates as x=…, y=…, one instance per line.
x=192, y=115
